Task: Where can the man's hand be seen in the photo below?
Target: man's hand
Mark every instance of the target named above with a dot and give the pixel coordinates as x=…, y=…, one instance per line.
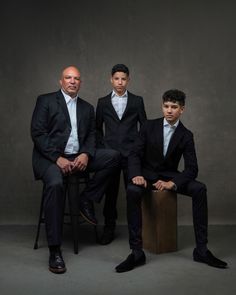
x=164, y=185
x=80, y=163
x=139, y=180
x=65, y=165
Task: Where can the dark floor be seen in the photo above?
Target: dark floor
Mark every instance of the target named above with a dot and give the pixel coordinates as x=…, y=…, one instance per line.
x=24, y=270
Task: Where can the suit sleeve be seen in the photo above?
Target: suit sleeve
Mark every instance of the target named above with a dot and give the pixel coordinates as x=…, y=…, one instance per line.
x=136, y=155
x=39, y=131
x=88, y=145
x=99, y=125
x=190, y=163
x=142, y=113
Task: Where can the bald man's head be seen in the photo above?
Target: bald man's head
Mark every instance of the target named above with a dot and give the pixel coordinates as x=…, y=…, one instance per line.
x=70, y=81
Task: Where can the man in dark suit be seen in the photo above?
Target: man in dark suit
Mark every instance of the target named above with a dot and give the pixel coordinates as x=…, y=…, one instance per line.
x=63, y=132
x=118, y=117
x=153, y=164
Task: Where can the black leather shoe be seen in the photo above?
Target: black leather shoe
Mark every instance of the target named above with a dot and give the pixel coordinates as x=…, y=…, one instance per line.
x=87, y=211
x=56, y=263
x=131, y=263
x=107, y=236
x=209, y=259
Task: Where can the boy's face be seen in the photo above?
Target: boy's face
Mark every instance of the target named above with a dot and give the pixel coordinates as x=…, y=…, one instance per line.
x=172, y=111
x=119, y=82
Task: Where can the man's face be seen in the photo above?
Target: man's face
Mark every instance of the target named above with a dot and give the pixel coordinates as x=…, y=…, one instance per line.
x=70, y=81
x=172, y=111
x=119, y=82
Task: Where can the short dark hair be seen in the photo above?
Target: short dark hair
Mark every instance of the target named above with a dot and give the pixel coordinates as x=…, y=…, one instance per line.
x=120, y=68
x=174, y=95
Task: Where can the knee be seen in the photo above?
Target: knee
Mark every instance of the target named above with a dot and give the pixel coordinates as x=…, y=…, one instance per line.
x=113, y=157
x=201, y=187
x=55, y=185
x=134, y=192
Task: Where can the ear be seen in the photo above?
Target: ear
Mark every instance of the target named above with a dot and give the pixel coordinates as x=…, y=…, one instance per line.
x=60, y=82
x=182, y=109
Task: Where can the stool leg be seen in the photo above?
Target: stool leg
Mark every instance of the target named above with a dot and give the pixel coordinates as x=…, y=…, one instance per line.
x=73, y=198
x=39, y=222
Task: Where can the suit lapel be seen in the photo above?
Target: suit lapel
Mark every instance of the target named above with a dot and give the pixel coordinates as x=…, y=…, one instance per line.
x=111, y=108
x=129, y=103
x=61, y=101
x=156, y=136
x=79, y=114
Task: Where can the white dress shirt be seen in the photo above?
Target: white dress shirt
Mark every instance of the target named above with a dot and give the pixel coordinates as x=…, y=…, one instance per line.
x=119, y=103
x=72, y=146
x=168, y=131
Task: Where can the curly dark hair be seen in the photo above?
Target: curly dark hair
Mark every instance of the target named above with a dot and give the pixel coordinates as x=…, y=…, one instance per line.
x=120, y=68
x=174, y=95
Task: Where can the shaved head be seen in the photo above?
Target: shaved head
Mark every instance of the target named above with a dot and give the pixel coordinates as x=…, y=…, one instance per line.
x=70, y=81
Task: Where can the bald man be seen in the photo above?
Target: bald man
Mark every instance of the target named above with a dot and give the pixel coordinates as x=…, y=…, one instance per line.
x=63, y=132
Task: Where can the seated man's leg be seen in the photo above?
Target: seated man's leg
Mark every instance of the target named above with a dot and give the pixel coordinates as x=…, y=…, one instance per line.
x=198, y=192
x=103, y=164
x=54, y=200
x=134, y=216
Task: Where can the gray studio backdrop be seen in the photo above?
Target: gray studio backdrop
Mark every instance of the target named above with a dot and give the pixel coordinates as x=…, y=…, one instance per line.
x=182, y=44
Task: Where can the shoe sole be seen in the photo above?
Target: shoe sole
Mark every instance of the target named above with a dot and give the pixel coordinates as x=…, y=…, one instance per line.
x=88, y=220
x=106, y=243
x=216, y=266
x=57, y=271
x=138, y=265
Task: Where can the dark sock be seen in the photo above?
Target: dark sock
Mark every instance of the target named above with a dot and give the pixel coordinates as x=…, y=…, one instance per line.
x=54, y=249
x=137, y=253
x=109, y=227
x=202, y=249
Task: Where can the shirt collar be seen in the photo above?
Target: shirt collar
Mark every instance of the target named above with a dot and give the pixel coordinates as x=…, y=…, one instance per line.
x=125, y=95
x=68, y=97
x=165, y=123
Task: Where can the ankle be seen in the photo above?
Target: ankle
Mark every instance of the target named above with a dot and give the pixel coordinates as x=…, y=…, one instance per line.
x=137, y=253
x=54, y=249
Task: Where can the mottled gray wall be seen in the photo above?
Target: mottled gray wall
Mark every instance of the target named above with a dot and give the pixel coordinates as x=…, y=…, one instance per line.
x=184, y=44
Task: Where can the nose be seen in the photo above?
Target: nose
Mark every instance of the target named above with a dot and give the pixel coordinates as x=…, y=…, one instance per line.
x=72, y=80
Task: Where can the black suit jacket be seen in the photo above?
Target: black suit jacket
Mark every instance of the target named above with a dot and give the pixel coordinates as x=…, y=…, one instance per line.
x=51, y=127
x=147, y=157
x=119, y=134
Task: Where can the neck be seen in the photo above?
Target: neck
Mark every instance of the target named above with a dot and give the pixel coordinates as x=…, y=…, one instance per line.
x=120, y=93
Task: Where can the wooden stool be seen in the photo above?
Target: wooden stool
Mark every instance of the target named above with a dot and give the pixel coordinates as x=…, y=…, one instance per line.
x=159, y=218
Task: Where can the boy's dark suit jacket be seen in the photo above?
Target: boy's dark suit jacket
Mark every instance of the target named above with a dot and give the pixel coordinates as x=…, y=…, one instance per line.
x=147, y=158
x=119, y=134
x=51, y=127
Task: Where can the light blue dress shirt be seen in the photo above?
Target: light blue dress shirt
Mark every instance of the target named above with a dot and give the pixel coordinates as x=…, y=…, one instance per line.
x=72, y=146
x=119, y=103
x=168, y=131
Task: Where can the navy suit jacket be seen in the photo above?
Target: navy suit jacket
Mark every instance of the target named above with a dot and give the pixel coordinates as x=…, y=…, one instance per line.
x=147, y=159
x=119, y=134
x=51, y=127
